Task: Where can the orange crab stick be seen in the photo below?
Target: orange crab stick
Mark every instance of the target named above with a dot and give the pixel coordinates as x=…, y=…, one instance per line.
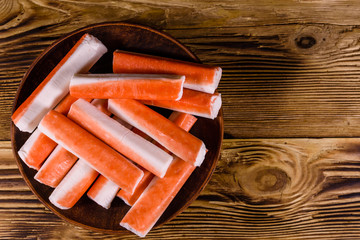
x=60, y=161
x=103, y=191
x=55, y=167
x=38, y=146
x=193, y=102
x=120, y=138
x=84, y=145
x=36, y=149
x=130, y=198
x=133, y=86
x=143, y=215
x=161, y=129
x=197, y=76
x=55, y=86
x=102, y=105
x=74, y=185
x=183, y=120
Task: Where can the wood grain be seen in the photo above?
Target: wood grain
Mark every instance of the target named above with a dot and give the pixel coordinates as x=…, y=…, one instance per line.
x=287, y=71
x=261, y=189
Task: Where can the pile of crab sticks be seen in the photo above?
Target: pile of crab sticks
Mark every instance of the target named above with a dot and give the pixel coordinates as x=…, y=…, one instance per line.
x=94, y=133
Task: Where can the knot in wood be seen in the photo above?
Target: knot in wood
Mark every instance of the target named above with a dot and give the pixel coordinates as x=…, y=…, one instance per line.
x=305, y=42
x=270, y=179
x=311, y=39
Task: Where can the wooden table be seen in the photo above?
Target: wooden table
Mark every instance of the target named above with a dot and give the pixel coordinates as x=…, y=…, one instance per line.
x=290, y=162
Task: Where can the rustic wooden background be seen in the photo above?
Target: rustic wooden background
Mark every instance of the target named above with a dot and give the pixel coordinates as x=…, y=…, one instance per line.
x=290, y=163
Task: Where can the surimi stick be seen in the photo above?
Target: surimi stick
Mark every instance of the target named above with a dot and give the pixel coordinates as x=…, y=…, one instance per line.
x=130, y=198
x=36, y=149
x=55, y=167
x=183, y=120
x=161, y=129
x=143, y=215
x=60, y=161
x=199, y=77
x=103, y=191
x=74, y=185
x=133, y=86
x=56, y=85
x=38, y=146
x=120, y=138
x=65, y=104
x=102, y=105
x=84, y=145
x=193, y=102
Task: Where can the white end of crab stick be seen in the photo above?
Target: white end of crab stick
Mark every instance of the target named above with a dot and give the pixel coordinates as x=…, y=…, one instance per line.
x=120, y=138
x=103, y=191
x=146, y=211
x=55, y=86
x=55, y=167
x=84, y=145
x=133, y=86
x=192, y=102
x=74, y=185
x=161, y=129
x=198, y=76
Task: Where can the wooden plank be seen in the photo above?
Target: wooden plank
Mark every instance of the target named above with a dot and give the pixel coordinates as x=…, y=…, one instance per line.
x=261, y=189
x=290, y=69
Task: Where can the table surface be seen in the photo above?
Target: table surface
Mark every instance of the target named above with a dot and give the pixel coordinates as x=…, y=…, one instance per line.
x=290, y=160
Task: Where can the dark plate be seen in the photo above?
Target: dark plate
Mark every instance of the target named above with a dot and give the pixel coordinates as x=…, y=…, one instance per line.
x=128, y=37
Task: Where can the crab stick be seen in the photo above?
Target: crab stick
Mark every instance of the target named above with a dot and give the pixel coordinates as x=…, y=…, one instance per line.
x=55, y=86
x=103, y=191
x=36, y=149
x=120, y=138
x=74, y=185
x=133, y=86
x=102, y=105
x=84, y=145
x=193, y=102
x=143, y=215
x=198, y=76
x=161, y=129
x=38, y=146
x=55, y=167
x=60, y=161
x=183, y=120
x=130, y=198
